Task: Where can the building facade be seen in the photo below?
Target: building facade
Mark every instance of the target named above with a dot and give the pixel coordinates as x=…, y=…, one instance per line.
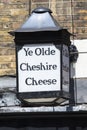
x=71, y=15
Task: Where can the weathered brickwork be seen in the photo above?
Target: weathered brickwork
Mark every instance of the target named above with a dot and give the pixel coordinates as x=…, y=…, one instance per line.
x=12, y=15
x=71, y=14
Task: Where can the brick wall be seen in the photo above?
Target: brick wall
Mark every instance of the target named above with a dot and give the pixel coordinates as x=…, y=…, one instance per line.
x=12, y=14
x=71, y=14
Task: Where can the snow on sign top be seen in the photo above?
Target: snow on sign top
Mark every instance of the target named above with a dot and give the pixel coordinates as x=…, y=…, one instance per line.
x=38, y=68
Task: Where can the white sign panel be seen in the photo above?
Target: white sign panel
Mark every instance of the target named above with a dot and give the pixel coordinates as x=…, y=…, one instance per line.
x=38, y=68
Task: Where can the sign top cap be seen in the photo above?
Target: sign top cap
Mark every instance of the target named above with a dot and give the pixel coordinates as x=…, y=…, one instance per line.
x=41, y=10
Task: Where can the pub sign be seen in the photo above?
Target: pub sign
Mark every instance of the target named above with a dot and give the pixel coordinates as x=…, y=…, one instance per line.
x=42, y=57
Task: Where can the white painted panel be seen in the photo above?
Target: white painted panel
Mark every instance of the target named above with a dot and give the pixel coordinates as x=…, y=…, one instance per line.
x=81, y=45
x=81, y=64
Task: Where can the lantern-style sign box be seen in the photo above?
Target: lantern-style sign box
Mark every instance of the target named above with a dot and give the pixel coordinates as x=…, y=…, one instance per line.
x=42, y=54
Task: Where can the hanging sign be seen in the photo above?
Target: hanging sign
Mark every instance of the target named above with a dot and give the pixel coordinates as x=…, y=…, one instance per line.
x=39, y=68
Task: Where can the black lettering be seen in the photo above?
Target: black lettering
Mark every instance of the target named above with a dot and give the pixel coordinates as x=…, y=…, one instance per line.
x=54, y=81
x=28, y=81
x=32, y=81
x=38, y=51
x=52, y=52
x=40, y=82
x=28, y=52
x=47, y=52
x=23, y=66
x=54, y=67
x=46, y=66
x=42, y=67
x=42, y=51
x=49, y=81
